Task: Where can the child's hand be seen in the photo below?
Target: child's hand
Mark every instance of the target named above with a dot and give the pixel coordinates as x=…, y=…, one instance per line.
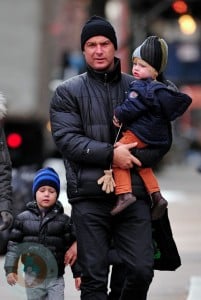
x=116, y=122
x=71, y=255
x=77, y=283
x=12, y=278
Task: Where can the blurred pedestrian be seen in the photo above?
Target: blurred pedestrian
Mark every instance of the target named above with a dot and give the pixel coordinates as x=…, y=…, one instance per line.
x=81, y=115
x=5, y=173
x=145, y=116
x=41, y=235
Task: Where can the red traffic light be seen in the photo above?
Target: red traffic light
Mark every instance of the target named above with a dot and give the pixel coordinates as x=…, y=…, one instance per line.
x=180, y=6
x=14, y=140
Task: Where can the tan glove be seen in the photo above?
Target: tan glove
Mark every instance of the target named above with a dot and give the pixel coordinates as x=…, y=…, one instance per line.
x=107, y=181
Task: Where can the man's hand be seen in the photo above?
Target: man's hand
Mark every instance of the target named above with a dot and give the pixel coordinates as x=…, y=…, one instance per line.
x=71, y=255
x=6, y=220
x=123, y=158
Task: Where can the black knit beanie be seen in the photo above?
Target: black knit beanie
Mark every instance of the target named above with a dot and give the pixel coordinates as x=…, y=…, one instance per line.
x=154, y=51
x=98, y=26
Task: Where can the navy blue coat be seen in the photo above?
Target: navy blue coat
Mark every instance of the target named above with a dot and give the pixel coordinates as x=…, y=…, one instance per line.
x=149, y=109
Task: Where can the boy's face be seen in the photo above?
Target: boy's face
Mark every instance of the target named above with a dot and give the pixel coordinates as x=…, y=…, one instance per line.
x=142, y=70
x=46, y=196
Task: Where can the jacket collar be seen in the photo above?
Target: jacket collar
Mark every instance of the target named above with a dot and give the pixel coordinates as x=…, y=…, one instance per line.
x=106, y=76
x=58, y=207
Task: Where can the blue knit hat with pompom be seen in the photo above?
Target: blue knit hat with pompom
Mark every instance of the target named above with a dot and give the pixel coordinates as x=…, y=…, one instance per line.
x=46, y=176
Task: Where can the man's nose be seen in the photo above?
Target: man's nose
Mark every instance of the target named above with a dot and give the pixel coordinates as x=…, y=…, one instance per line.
x=99, y=49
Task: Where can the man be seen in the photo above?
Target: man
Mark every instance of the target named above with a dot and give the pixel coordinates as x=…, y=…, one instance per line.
x=81, y=114
x=5, y=174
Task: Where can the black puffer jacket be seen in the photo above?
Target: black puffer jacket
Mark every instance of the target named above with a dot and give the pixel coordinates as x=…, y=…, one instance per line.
x=81, y=115
x=5, y=165
x=54, y=231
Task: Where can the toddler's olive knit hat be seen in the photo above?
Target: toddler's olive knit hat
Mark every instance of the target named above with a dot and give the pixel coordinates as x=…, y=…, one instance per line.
x=154, y=51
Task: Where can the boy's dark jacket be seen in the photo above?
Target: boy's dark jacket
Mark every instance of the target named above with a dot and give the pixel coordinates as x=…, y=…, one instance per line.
x=54, y=231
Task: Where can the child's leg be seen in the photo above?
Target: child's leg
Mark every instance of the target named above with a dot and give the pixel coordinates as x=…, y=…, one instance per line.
x=122, y=177
x=55, y=288
x=123, y=189
x=152, y=186
x=35, y=288
x=122, y=180
x=149, y=179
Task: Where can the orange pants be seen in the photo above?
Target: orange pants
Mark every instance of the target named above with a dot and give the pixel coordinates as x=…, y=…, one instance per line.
x=123, y=178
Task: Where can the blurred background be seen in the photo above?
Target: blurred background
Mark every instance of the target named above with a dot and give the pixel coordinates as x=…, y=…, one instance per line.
x=40, y=46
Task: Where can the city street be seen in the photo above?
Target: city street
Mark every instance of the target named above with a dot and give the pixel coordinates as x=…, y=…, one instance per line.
x=40, y=47
x=181, y=186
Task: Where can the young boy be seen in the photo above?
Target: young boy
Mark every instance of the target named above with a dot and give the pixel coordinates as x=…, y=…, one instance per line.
x=146, y=115
x=41, y=236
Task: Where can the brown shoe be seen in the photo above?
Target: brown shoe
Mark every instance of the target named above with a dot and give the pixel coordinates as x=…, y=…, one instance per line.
x=159, y=205
x=123, y=201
